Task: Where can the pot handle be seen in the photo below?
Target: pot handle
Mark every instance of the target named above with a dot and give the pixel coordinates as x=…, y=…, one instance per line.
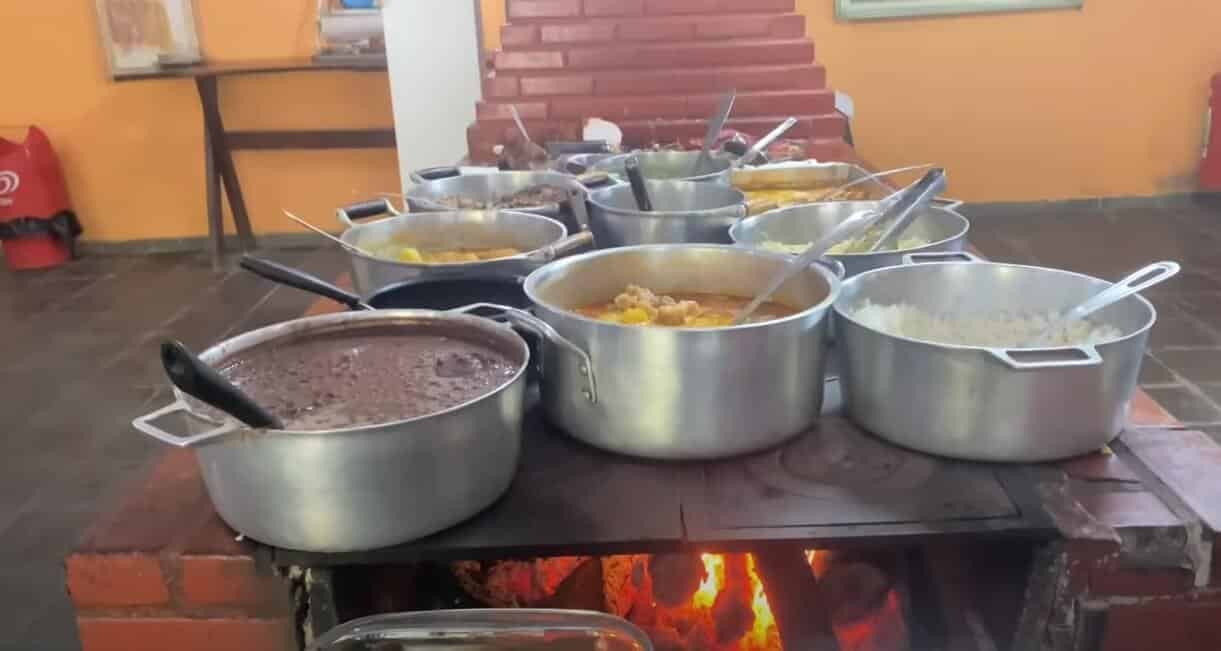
x=941, y=256
x=577, y=198
x=434, y=174
x=835, y=266
x=562, y=247
x=145, y=424
x=946, y=203
x=373, y=208
x=1033, y=359
x=523, y=320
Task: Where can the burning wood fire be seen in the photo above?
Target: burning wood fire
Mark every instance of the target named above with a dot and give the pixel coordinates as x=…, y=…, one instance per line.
x=727, y=611
x=706, y=602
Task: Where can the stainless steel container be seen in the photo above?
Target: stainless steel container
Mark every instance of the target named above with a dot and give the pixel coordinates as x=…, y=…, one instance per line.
x=427, y=195
x=516, y=629
x=680, y=393
x=800, y=176
x=988, y=404
x=365, y=487
x=541, y=239
x=670, y=166
x=684, y=212
x=940, y=224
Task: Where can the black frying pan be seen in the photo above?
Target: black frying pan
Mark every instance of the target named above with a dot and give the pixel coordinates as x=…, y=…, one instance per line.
x=435, y=294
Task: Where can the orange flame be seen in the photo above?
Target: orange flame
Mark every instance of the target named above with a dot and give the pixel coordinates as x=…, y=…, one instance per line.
x=764, y=635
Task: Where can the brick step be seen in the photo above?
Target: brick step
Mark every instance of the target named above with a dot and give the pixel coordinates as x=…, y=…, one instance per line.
x=517, y=36
x=485, y=134
x=551, y=10
x=699, y=54
x=666, y=81
x=748, y=104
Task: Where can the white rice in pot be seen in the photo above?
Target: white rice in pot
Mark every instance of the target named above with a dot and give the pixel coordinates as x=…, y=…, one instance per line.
x=992, y=330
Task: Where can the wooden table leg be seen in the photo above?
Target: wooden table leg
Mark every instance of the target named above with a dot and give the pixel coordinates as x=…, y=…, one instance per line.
x=209, y=95
x=216, y=217
x=802, y=614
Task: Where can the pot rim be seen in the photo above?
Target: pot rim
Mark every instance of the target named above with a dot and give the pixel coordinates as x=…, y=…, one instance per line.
x=841, y=313
x=408, y=217
x=728, y=210
x=610, y=163
x=758, y=219
x=834, y=286
x=425, y=193
x=311, y=324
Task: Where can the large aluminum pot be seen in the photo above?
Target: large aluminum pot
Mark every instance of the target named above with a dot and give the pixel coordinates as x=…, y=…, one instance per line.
x=683, y=212
x=364, y=487
x=541, y=239
x=988, y=404
x=940, y=224
x=680, y=393
x=670, y=166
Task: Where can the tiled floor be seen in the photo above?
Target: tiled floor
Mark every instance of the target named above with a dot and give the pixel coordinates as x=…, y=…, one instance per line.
x=79, y=361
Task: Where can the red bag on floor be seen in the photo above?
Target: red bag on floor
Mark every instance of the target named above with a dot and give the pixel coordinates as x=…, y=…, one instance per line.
x=37, y=226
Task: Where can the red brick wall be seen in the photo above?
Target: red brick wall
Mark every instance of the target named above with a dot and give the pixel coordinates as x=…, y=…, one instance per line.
x=655, y=67
x=164, y=573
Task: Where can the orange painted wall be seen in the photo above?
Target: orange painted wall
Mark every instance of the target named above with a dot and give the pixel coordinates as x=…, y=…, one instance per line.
x=1105, y=101
x=133, y=151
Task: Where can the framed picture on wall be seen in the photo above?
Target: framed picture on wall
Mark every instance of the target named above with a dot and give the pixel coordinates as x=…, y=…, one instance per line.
x=872, y=9
x=143, y=35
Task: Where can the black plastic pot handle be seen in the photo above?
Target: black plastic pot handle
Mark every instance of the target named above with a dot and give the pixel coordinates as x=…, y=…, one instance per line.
x=197, y=379
x=366, y=209
x=435, y=173
x=298, y=279
x=639, y=189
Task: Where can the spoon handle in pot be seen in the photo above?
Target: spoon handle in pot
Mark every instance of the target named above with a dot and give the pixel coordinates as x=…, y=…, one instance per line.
x=198, y=380
x=285, y=275
x=751, y=154
x=639, y=190
x=912, y=200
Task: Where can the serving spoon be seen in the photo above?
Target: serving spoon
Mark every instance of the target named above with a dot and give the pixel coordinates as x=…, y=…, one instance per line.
x=195, y=378
x=1137, y=281
x=905, y=202
x=715, y=126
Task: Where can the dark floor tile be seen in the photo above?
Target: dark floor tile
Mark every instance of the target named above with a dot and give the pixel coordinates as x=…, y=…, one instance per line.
x=1153, y=372
x=1202, y=305
x=1194, y=365
x=1186, y=405
x=1212, y=390
x=26, y=591
x=1175, y=329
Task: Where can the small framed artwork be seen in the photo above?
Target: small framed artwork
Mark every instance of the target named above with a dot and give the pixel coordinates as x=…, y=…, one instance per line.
x=873, y=9
x=141, y=36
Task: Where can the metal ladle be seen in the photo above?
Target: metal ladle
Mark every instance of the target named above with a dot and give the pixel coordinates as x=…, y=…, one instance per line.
x=1135, y=282
x=905, y=202
x=715, y=126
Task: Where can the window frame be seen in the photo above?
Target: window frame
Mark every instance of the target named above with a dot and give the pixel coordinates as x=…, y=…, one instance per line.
x=876, y=9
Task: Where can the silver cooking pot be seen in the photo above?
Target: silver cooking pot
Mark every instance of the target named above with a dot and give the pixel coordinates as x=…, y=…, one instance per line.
x=684, y=212
x=541, y=239
x=679, y=393
x=940, y=224
x=988, y=404
x=670, y=166
x=363, y=487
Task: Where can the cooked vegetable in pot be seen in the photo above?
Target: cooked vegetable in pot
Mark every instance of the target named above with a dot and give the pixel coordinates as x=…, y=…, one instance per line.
x=414, y=255
x=538, y=195
x=859, y=244
x=641, y=306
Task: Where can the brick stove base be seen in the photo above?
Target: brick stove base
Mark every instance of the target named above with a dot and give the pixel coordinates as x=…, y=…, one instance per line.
x=1134, y=569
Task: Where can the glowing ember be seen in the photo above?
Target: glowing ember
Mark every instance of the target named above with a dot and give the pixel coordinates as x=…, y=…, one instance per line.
x=713, y=583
